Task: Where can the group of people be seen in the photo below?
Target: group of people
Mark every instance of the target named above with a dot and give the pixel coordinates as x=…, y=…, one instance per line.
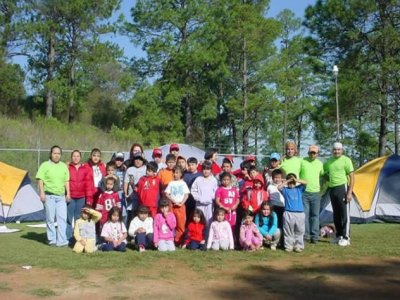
x=181, y=202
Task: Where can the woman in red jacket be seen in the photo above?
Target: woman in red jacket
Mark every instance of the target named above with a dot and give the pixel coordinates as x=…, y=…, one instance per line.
x=96, y=171
x=78, y=176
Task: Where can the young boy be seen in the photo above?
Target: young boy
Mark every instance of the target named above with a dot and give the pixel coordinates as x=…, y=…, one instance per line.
x=120, y=170
x=148, y=189
x=227, y=167
x=107, y=200
x=274, y=160
x=276, y=199
x=189, y=176
x=254, y=197
x=157, y=158
x=166, y=175
x=110, y=172
x=177, y=193
x=141, y=229
x=181, y=162
x=203, y=191
x=293, y=217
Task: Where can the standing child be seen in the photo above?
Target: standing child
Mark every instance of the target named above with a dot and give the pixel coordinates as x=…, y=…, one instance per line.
x=195, y=232
x=267, y=223
x=177, y=193
x=85, y=230
x=293, y=217
x=107, y=200
x=276, y=199
x=110, y=172
x=166, y=175
x=96, y=171
x=141, y=229
x=250, y=238
x=189, y=176
x=114, y=232
x=164, y=227
x=120, y=170
x=203, y=191
x=148, y=188
x=220, y=236
x=227, y=197
x=253, y=197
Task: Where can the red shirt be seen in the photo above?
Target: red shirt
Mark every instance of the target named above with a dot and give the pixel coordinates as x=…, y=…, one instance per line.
x=92, y=191
x=78, y=178
x=215, y=169
x=106, y=201
x=148, y=189
x=195, y=232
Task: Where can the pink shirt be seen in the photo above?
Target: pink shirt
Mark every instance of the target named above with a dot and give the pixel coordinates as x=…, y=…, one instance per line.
x=228, y=197
x=220, y=231
x=164, y=227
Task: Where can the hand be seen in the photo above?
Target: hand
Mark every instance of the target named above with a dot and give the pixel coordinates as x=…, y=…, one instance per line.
x=42, y=197
x=202, y=242
x=67, y=198
x=268, y=237
x=184, y=246
x=156, y=245
x=349, y=197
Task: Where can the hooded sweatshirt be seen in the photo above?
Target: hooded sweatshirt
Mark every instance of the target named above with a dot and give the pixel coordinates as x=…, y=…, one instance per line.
x=254, y=197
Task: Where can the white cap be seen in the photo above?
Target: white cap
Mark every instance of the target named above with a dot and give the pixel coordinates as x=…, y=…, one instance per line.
x=337, y=145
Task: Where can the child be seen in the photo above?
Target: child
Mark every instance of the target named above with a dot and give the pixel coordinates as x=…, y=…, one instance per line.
x=110, y=172
x=148, y=188
x=181, y=162
x=220, y=236
x=141, y=229
x=164, y=227
x=227, y=167
x=107, y=200
x=274, y=161
x=85, y=230
x=253, y=197
x=250, y=238
x=195, y=232
x=267, y=223
x=120, y=170
x=227, y=197
x=177, y=193
x=166, y=175
x=293, y=217
x=157, y=158
x=203, y=191
x=276, y=199
x=189, y=176
x=96, y=171
x=114, y=232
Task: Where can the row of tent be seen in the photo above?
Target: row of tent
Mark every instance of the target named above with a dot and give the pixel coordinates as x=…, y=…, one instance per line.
x=376, y=192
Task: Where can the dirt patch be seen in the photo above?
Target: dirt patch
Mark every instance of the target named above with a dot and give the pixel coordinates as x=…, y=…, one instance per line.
x=292, y=278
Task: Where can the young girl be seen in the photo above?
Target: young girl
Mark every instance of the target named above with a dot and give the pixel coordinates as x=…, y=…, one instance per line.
x=85, y=230
x=250, y=238
x=141, y=229
x=220, y=236
x=114, y=232
x=164, y=227
x=227, y=197
x=96, y=170
x=107, y=200
x=267, y=223
x=177, y=193
x=195, y=232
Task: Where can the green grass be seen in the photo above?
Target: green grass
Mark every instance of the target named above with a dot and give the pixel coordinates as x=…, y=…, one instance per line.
x=42, y=292
x=27, y=247
x=4, y=287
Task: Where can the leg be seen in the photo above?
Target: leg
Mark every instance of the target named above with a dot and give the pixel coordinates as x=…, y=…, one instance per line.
x=337, y=195
x=70, y=217
x=121, y=247
x=299, y=231
x=61, y=215
x=224, y=245
x=307, y=199
x=140, y=239
x=180, y=214
x=276, y=237
x=78, y=247
x=90, y=246
x=215, y=245
x=170, y=246
x=50, y=206
x=193, y=245
x=149, y=240
x=314, y=217
x=288, y=230
x=106, y=247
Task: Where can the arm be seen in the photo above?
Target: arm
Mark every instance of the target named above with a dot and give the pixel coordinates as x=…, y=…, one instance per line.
x=171, y=221
x=96, y=216
x=261, y=229
x=349, y=195
x=41, y=190
x=195, y=191
x=301, y=181
x=274, y=226
x=77, y=234
x=133, y=228
x=210, y=236
x=231, y=242
x=185, y=197
x=68, y=194
x=155, y=231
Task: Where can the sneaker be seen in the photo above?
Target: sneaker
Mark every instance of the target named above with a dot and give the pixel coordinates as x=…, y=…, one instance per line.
x=336, y=240
x=142, y=248
x=288, y=249
x=273, y=247
x=344, y=242
x=297, y=249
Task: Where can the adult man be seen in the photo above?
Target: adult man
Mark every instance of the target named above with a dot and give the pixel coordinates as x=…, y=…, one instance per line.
x=339, y=169
x=310, y=170
x=291, y=162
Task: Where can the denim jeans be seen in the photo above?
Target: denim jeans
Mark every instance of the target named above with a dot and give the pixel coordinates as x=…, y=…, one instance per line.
x=74, y=207
x=311, y=203
x=144, y=239
x=56, y=210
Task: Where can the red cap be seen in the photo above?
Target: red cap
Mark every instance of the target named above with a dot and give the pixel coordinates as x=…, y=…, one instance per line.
x=250, y=157
x=174, y=147
x=230, y=157
x=157, y=152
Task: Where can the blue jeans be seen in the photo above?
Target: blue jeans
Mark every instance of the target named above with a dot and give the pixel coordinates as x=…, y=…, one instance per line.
x=74, y=207
x=144, y=239
x=193, y=245
x=311, y=203
x=110, y=247
x=56, y=210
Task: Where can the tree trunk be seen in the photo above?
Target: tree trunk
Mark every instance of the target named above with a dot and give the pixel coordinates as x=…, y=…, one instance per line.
x=234, y=137
x=51, y=53
x=383, y=126
x=72, y=101
x=245, y=132
x=189, y=123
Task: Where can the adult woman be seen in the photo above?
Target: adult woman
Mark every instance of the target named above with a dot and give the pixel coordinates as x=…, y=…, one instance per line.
x=53, y=183
x=135, y=148
x=96, y=170
x=78, y=176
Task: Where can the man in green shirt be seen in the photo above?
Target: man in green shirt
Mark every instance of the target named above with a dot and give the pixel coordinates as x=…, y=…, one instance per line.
x=291, y=163
x=339, y=170
x=311, y=170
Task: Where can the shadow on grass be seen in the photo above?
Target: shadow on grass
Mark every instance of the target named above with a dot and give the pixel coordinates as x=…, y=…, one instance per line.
x=34, y=236
x=333, y=281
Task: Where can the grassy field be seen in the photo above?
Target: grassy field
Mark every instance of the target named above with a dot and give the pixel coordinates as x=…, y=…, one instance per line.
x=371, y=260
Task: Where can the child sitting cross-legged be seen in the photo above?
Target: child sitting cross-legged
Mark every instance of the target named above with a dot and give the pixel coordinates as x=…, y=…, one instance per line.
x=220, y=236
x=114, y=232
x=195, y=232
x=141, y=229
x=250, y=238
x=85, y=230
x=164, y=228
x=267, y=223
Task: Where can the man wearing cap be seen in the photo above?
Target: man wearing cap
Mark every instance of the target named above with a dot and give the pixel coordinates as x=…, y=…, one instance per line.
x=291, y=163
x=339, y=169
x=157, y=155
x=311, y=170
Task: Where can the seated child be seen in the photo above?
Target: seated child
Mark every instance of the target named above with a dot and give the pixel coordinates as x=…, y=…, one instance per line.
x=107, y=200
x=85, y=230
x=293, y=217
x=141, y=229
x=164, y=227
x=148, y=188
x=195, y=239
x=220, y=236
x=250, y=238
x=267, y=223
x=114, y=232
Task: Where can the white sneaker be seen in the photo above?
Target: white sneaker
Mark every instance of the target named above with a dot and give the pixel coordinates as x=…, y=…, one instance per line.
x=273, y=247
x=344, y=242
x=336, y=240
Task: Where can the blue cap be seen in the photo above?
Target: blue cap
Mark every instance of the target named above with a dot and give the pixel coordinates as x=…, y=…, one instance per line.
x=275, y=156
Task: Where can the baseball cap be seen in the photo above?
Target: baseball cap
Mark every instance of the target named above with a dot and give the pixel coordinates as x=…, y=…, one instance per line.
x=313, y=148
x=337, y=145
x=138, y=155
x=119, y=155
x=174, y=147
x=275, y=156
x=230, y=157
x=157, y=152
x=250, y=158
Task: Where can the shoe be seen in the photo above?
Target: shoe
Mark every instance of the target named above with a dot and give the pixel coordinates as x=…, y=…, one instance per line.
x=314, y=241
x=344, y=242
x=298, y=249
x=273, y=247
x=142, y=248
x=288, y=249
x=336, y=240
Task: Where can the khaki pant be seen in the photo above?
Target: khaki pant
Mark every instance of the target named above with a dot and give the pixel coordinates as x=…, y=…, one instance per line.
x=89, y=247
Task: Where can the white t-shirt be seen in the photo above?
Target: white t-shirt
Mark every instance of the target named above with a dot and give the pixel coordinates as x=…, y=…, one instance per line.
x=275, y=196
x=96, y=175
x=177, y=189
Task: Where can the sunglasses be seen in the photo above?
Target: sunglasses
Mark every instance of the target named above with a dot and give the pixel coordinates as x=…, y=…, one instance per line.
x=312, y=152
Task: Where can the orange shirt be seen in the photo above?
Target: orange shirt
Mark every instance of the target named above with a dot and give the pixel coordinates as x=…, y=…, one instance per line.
x=166, y=176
